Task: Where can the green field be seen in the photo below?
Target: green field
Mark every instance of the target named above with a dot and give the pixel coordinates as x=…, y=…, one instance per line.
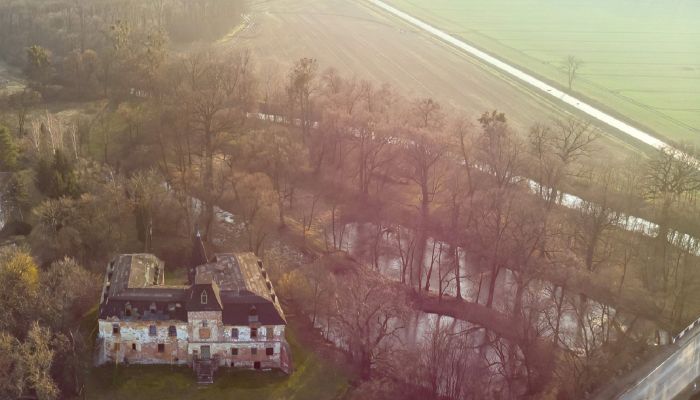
x=641, y=57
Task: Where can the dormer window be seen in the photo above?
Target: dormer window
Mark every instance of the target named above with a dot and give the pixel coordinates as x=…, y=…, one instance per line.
x=253, y=314
x=203, y=297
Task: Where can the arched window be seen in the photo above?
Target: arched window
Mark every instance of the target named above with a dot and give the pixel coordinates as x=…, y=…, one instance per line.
x=203, y=297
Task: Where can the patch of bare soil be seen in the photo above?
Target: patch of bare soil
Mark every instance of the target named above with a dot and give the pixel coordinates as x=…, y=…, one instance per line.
x=11, y=80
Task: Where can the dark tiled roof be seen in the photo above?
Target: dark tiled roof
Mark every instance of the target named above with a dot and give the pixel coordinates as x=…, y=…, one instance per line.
x=213, y=298
x=233, y=284
x=165, y=310
x=237, y=310
x=199, y=252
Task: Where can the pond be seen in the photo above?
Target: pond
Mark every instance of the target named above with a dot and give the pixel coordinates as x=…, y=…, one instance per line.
x=577, y=331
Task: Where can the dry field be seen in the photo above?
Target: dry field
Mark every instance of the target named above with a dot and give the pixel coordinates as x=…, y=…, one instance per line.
x=360, y=40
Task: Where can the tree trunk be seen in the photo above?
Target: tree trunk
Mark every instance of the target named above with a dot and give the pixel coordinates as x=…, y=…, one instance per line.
x=495, y=269
x=458, y=272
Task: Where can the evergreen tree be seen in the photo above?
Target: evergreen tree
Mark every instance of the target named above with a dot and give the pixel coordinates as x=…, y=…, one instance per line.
x=57, y=178
x=8, y=150
x=15, y=199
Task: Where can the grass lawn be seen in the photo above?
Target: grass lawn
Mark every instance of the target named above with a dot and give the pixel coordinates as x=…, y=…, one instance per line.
x=176, y=276
x=641, y=58
x=314, y=378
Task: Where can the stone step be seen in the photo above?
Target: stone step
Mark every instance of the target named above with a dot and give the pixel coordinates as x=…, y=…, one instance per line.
x=204, y=372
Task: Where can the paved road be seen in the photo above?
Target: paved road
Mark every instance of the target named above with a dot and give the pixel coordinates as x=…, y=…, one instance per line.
x=601, y=116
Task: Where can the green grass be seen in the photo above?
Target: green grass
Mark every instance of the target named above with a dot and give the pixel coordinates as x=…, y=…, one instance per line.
x=313, y=378
x=641, y=58
x=176, y=276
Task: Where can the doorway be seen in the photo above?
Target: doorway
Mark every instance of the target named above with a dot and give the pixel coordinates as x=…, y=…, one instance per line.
x=206, y=354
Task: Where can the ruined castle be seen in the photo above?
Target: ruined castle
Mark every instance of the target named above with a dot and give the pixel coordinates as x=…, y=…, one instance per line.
x=228, y=316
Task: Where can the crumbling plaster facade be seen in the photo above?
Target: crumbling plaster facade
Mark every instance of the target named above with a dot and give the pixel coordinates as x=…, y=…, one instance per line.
x=148, y=323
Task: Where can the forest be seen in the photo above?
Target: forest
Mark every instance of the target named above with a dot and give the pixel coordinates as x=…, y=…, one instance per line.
x=443, y=256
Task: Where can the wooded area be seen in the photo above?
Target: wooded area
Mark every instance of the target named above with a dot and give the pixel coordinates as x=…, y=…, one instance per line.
x=119, y=143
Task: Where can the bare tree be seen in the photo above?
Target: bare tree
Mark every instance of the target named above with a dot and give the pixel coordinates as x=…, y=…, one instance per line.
x=301, y=85
x=21, y=103
x=669, y=176
x=498, y=149
x=555, y=151
x=255, y=201
x=572, y=65
x=593, y=221
x=425, y=149
x=216, y=96
x=276, y=152
x=369, y=312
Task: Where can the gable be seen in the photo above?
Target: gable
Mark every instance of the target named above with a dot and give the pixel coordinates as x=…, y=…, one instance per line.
x=204, y=297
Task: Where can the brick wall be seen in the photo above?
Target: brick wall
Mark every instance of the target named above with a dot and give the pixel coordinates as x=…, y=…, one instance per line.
x=136, y=343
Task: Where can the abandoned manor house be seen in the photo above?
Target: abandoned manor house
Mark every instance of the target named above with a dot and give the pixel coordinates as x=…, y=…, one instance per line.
x=228, y=316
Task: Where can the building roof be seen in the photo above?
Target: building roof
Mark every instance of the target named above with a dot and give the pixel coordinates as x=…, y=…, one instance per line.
x=204, y=295
x=237, y=312
x=199, y=252
x=236, y=273
x=143, y=310
x=231, y=283
x=130, y=271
